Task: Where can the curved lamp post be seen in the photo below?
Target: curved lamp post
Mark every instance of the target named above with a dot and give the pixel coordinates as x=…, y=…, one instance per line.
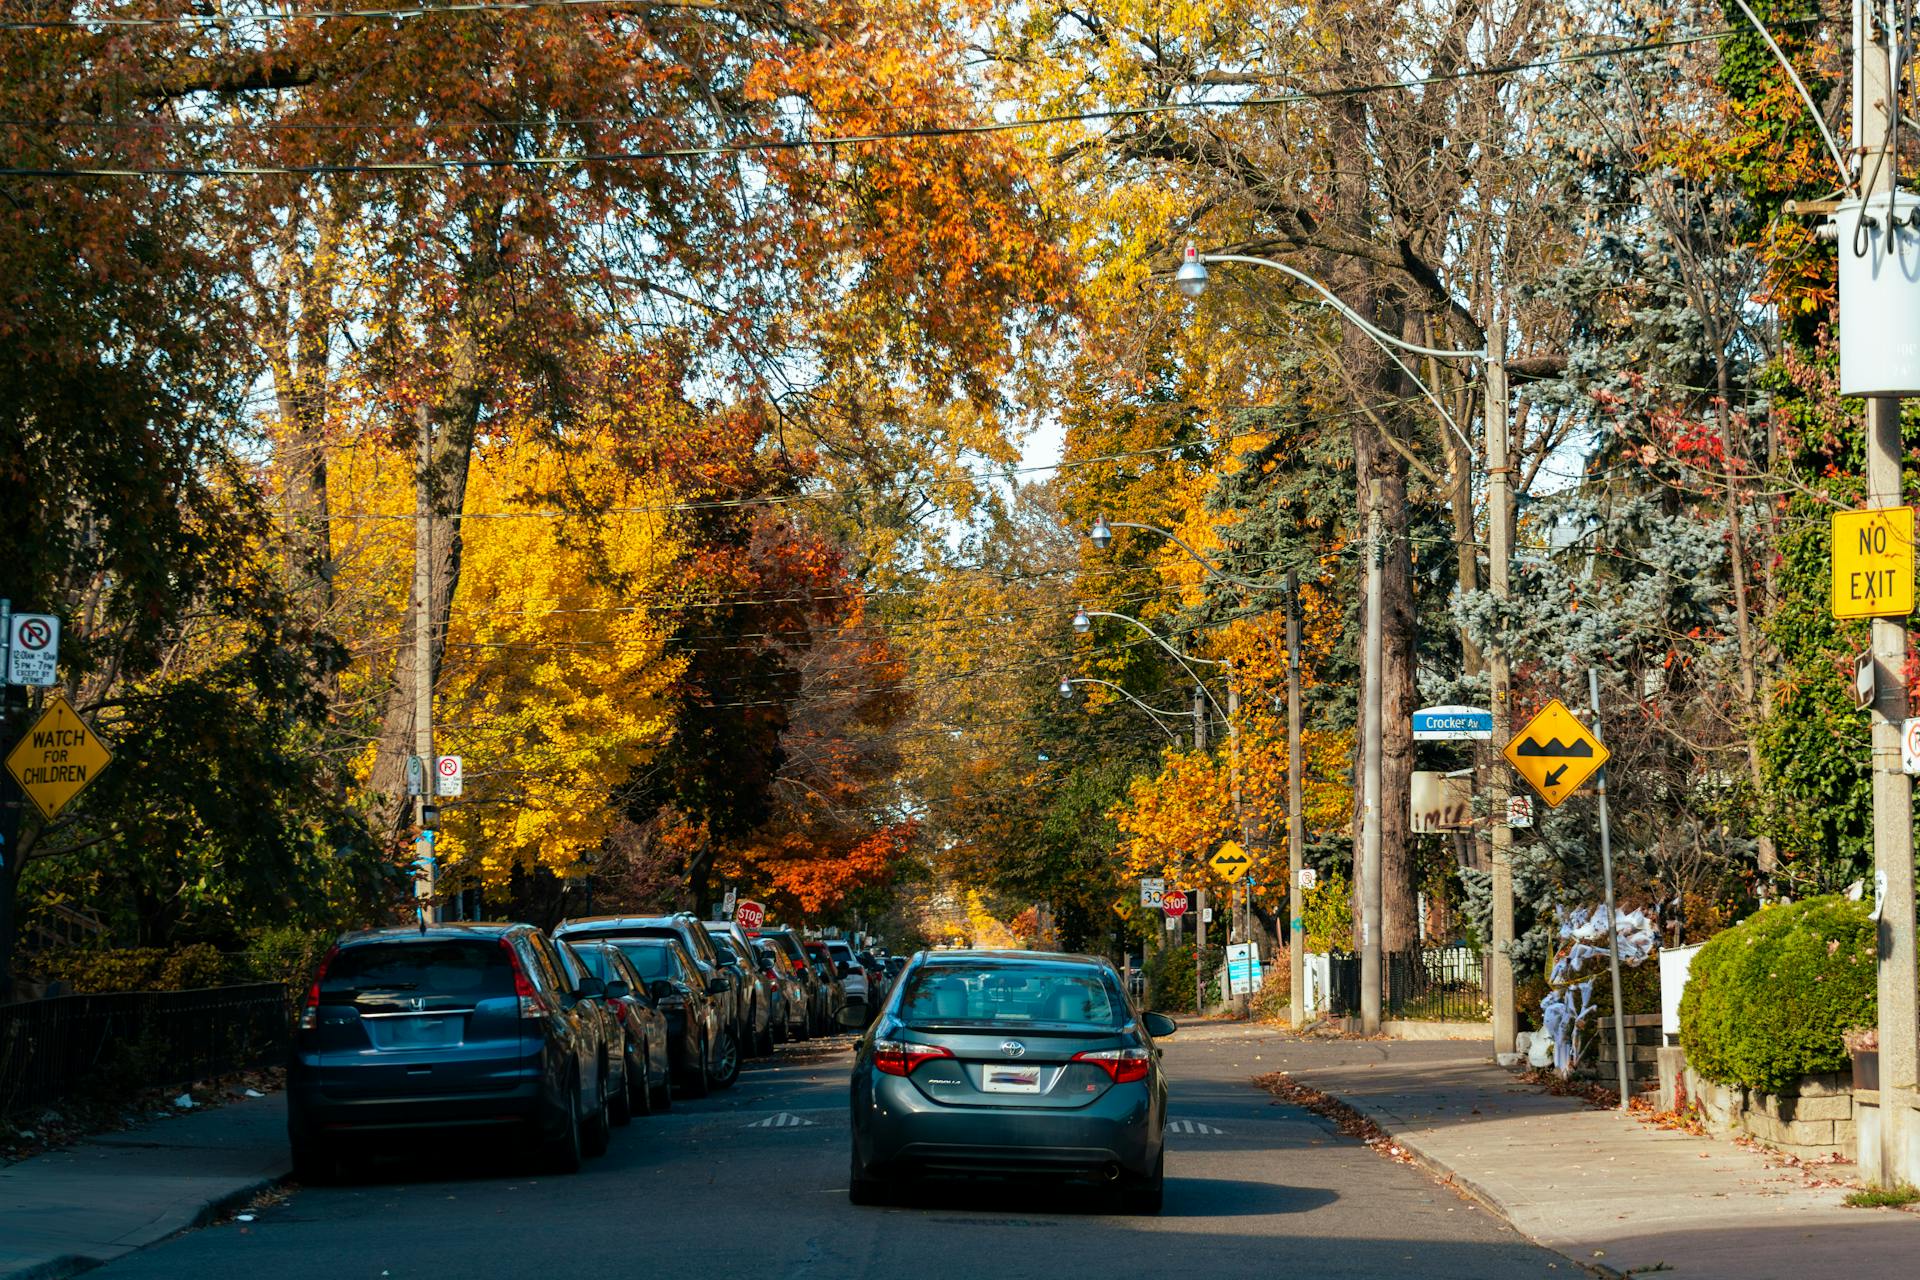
x=1083, y=622
x=1101, y=534
x=1191, y=281
x=1066, y=691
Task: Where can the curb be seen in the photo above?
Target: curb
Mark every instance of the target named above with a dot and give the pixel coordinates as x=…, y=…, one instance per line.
x=73, y=1264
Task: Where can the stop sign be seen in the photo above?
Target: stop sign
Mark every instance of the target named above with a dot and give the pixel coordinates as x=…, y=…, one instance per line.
x=1174, y=902
x=749, y=915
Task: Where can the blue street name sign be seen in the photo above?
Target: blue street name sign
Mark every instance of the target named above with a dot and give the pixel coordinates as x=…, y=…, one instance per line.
x=1437, y=724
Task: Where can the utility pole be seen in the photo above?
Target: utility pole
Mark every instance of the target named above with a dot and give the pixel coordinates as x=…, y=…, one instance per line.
x=426, y=877
x=1371, y=732
x=1200, y=887
x=1875, y=102
x=1499, y=557
x=1296, y=816
x=1239, y=810
x=1613, y=913
x=12, y=805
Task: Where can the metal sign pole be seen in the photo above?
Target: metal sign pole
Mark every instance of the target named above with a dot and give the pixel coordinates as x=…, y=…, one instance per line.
x=1613, y=922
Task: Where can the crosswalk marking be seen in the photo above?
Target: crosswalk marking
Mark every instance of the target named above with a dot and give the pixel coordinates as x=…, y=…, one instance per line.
x=1191, y=1126
x=785, y=1120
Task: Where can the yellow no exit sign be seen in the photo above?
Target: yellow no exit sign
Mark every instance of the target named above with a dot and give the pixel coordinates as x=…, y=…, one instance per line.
x=1873, y=563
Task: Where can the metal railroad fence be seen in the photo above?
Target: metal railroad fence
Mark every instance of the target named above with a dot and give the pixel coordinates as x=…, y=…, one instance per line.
x=53, y=1048
x=1425, y=983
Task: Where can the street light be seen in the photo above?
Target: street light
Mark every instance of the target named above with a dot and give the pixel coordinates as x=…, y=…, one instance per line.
x=1066, y=691
x=1191, y=281
x=1081, y=622
x=1102, y=535
x=1191, y=278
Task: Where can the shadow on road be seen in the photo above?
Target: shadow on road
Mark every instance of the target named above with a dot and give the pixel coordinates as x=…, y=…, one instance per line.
x=1186, y=1198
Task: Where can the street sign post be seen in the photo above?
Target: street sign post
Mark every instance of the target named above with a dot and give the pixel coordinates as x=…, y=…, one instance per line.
x=58, y=758
x=1231, y=862
x=449, y=776
x=1174, y=903
x=1441, y=724
x=33, y=649
x=1555, y=753
x=1873, y=563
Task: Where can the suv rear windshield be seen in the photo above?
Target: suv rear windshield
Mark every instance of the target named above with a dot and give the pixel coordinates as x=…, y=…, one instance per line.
x=653, y=957
x=475, y=968
x=987, y=994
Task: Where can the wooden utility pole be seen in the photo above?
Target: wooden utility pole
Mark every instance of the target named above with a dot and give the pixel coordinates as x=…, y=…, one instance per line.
x=426, y=869
x=1199, y=903
x=1499, y=675
x=1296, y=816
x=1372, y=746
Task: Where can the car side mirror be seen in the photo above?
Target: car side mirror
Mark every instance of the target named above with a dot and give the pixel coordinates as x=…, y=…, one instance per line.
x=719, y=985
x=589, y=988
x=618, y=990
x=660, y=988
x=852, y=1018
x=1158, y=1024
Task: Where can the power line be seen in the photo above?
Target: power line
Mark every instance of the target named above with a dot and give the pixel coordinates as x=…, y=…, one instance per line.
x=832, y=142
x=222, y=21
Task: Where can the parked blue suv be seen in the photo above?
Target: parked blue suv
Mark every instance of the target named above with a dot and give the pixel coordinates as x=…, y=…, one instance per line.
x=470, y=1027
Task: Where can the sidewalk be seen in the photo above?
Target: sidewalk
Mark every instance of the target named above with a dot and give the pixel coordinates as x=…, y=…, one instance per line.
x=1614, y=1194
x=68, y=1211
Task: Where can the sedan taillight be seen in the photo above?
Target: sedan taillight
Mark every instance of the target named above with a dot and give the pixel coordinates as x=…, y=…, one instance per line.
x=1121, y=1065
x=899, y=1058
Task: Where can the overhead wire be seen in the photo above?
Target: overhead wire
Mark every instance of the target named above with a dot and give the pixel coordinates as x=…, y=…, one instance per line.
x=835, y=142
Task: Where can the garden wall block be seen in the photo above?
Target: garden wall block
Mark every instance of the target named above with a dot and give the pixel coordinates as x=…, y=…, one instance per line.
x=1816, y=1118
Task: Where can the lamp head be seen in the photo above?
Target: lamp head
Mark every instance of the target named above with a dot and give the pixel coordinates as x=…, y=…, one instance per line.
x=1081, y=622
x=1191, y=278
x=1101, y=534
x=1066, y=687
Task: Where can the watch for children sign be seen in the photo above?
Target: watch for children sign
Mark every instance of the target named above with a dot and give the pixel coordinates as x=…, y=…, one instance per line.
x=57, y=759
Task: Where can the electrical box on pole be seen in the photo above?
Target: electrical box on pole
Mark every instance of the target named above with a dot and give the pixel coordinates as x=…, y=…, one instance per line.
x=1879, y=252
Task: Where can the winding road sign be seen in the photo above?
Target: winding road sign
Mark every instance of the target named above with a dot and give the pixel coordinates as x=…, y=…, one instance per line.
x=1555, y=753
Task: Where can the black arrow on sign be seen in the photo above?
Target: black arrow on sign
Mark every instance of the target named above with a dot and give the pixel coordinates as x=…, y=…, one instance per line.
x=1553, y=778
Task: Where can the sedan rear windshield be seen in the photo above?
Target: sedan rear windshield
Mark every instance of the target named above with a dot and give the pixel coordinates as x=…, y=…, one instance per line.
x=1004, y=995
x=431, y=966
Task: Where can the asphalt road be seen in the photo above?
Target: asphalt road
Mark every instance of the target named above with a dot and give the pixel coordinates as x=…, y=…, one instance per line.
x=753, y=1182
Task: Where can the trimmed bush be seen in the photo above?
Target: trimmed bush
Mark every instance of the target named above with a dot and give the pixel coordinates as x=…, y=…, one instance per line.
x=1769, y=999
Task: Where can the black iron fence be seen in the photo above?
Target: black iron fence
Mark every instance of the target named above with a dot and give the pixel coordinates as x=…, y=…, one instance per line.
x=51, y=1048
x=1445, y=984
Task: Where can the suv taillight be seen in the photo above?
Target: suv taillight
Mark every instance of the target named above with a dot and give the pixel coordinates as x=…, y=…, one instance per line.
x=532, y=1003
x=899, y=1058
x=1121, y=1065
x=310, y=1016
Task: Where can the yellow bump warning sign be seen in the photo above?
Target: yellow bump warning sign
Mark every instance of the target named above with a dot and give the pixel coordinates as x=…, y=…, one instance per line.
x=58, y=758
x=1873, y=563
x=1555, y=753
x=1231, y=862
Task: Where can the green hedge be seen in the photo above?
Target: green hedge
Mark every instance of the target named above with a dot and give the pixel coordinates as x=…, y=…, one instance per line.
x=1767, y=1000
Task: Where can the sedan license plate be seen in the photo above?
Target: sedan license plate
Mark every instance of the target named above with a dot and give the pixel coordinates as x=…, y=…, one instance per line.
x=1011, y=1080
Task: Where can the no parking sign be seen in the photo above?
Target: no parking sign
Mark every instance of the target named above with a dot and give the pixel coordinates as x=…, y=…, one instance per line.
x=1910, y=747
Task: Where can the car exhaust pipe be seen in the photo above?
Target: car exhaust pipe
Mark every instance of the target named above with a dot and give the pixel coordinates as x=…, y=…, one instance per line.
x=1111, y=1170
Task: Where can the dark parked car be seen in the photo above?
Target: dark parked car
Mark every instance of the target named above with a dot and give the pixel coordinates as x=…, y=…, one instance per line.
x=1010, y=1063
x=577, y=974
x=791, y=1002
x=649, y=1070
x=467, y=1027
x=714, y=979
x=674, y=985
x=821, y=1002
x=735, y=951
x=844, y=995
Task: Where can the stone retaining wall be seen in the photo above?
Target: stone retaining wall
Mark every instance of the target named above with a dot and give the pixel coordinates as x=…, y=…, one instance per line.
x=1815, y=1118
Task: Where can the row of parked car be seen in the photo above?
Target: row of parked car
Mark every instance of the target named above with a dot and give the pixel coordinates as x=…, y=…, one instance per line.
x=557, y=1037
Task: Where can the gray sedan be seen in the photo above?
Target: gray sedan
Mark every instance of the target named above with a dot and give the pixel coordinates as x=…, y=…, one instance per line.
x=1010, y=1063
